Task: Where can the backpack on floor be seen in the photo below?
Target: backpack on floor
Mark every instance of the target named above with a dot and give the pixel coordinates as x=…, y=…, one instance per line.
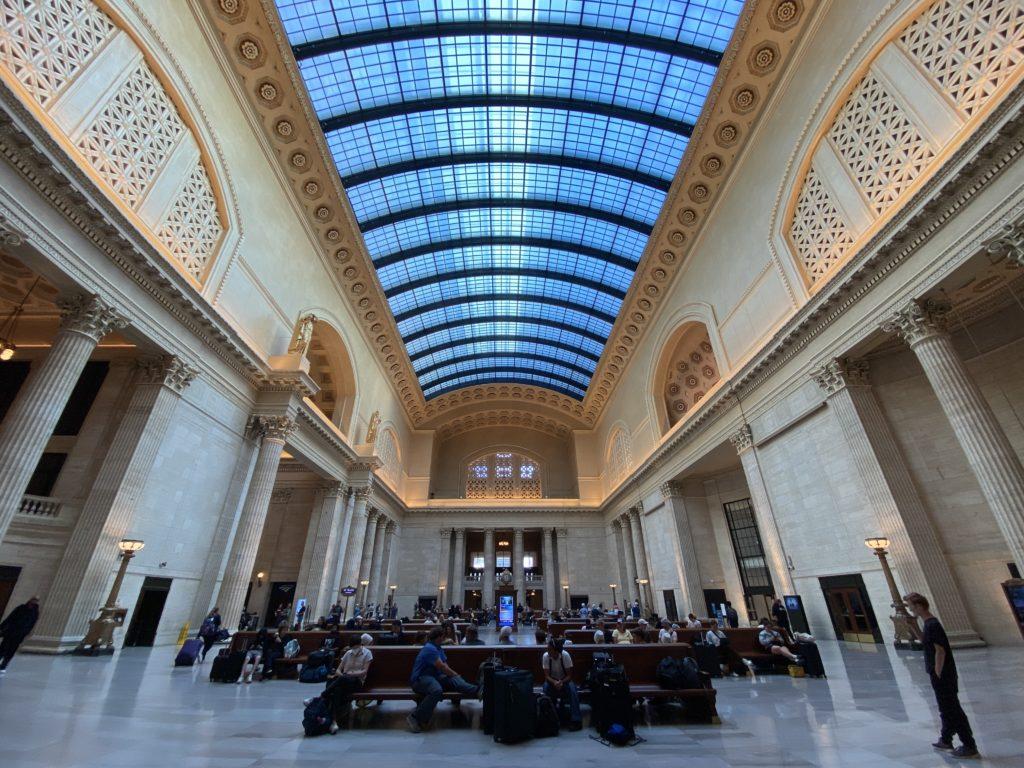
x=547, y=718
x=291, y=649
x=669, y=673
x=321, y=658
x=691, y=673
x=311, y=674
x=189, y=653
x=316, y=717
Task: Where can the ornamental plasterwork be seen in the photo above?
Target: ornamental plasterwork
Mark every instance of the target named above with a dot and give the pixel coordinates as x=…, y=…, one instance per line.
x=258, y=49
x=503, y=418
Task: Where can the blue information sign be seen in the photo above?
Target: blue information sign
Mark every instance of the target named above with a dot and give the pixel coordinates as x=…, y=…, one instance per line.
x=506, y=611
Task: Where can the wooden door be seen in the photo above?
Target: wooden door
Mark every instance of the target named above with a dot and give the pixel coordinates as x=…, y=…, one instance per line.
x=848, y=609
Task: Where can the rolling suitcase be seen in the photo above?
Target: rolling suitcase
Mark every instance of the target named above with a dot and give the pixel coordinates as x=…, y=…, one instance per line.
x=227, y=666
x=610, y=702
x=515, y=706
x=189, y=652
x=486, y=683
x=812, y=659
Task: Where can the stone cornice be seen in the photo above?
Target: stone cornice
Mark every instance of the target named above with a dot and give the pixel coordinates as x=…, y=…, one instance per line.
x=503, y=417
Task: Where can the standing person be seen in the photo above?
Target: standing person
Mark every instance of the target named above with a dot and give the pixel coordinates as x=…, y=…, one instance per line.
x=731, y=616
x=15, y=628
x=635, y=610
x=209, y=630
x=941, y=669
x=779, y=614
x=558, y=684
x=431, y=677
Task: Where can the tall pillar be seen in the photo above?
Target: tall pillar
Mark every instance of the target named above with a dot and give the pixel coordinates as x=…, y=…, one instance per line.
x=385, y=568
x=356, y=540
x=366, y=557
x=377, y=563
x=914, y=544
x=316, y=567
x=489, y=566
x=618, y=554
x=685, y=550
x=562, y=539
x=443, y=562
x=631, y=571
x=743, y=442
x=274, y=432
x=91, y=555
x=640, y=551
x=337, y=574
x=458, y=590
x=519, y=578
x=31, y=419
x=989, y=453
x=551, y=591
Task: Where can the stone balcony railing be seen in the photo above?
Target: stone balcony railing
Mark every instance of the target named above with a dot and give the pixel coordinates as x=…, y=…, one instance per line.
x=40, y=507
x=531, y=578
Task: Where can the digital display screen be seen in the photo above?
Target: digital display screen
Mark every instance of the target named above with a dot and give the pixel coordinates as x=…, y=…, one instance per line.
x=506, y=611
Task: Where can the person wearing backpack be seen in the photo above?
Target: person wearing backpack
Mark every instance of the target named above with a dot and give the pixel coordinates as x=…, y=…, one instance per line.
x=208, y=631
x=349, y=677
x=557, y=665
x=15, y=628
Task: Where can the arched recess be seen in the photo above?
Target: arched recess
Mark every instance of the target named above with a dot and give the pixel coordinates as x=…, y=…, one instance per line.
x=99, y=85
x=618, y=455
x=389, y=452
x=331, y=367
x=916, y=97
x=512, y=472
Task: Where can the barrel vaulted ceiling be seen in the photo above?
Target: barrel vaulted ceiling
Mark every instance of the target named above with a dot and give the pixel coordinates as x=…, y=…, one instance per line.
x=506, y=162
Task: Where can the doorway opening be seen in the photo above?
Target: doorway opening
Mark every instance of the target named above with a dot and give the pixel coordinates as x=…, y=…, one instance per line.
x=8, y=578
x=849, y=608
x=148, y=610
x=714, y=600
x=282, y=593
x=671, y=612
x=578, y=601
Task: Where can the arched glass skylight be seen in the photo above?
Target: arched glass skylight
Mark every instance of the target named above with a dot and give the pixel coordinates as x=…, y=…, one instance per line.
x=506, y=161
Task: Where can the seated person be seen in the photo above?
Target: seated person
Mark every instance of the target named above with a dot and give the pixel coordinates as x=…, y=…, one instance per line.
x=396, y=636
x=451, y=635
x=431, y=677
x=472, y=636
x=600, y=633
x=540, y=636
x=692, y=622
x=621, y=635
x=349, y=677
x=253, y=655
x=728, y=659
x=505, y=636
x=558, y=684
x=668, y=633
x=273, y=649
x=771, y=640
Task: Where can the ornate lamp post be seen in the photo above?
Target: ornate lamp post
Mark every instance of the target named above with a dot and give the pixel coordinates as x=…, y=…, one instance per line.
x=440, y=598
x=613, y=586
x=565, y=588
x=907, y=633
x=100, y=637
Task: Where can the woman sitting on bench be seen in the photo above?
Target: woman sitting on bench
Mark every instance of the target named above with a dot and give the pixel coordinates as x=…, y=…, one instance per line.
x=771, y=640
x=728, y=659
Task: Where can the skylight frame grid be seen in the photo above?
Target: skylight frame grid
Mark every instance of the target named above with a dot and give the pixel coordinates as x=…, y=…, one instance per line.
x=445, y=337
x=526, y=307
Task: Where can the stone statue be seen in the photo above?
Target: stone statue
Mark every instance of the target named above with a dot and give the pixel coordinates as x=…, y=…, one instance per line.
x=303, y=335
x=371, y=430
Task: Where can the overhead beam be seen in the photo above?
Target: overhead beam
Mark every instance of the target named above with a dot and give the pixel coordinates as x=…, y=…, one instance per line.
x=583, y=309
x=545, y=274
x=529, y=158
x=621, y=37
x=436, y=103
x=506, y=356
x=488, y=319
x=527, y=242
x=500, y=202
x=571, y=387
x=496, y=338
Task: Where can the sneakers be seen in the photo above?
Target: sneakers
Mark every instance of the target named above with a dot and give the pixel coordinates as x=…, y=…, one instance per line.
x=944, y=745
x=307, y=702
x=748, y=662
x=334, y=728
x=413, y=723
x=963, y=751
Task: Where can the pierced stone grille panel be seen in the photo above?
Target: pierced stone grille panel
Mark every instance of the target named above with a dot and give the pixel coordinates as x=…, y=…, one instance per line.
x=620, y=455
x=819, y=231
x=45, y=43
x=970, y=48
x=879, y=143
x=192, y=227
x=503, y=475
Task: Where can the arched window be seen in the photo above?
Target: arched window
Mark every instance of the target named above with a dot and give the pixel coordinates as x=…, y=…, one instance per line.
x=620, y=455
x=503, y=475
x=387, y=452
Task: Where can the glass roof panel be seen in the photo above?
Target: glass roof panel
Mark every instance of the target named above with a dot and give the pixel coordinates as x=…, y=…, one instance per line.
x=506, y=161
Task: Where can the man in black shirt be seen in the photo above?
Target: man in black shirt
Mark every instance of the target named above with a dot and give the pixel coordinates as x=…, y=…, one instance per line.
x=941, y=668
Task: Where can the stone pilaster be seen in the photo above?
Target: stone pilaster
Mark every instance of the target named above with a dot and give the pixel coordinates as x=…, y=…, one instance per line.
x=458, y=590
x=564, y=576
x=487, y=594
x=640, y=551
x=377, y=564
x=915, y=547
x=315, y=569
x=444, y=560
x=630, y=551
x=685, y=550
x=356, y=540
x=989, y=453
x=366, y=557
x=550, y=585
x=386, y=564
x=33, y=415
x=91, y=555
x=743, y=442
x=619, y=554
x=273, y=433
x=340, y=546
x=519, y=579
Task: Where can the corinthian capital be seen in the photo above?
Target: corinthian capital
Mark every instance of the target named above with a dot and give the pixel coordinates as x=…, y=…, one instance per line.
x=362, y=492
x=742, y=439
x=169, y=370
x=277, y=428
x=89, y=315
x=1008, y=243
x=838, y=374
x=669, y=490
x=917, y=320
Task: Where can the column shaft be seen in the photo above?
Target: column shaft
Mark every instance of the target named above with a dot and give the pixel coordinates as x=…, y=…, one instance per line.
x=458, y=590
x=444, y=560
x=633, y=589
x=564, y=577
x=686, y=556
x=551, y=599
x=519, y=579
x=315, y=572
x=385, y=568
x=618, y=555
x=334, y=580
x=357, y=538
x=377, y=564
x=366, y=557
x=489, y=566
x=640, y=553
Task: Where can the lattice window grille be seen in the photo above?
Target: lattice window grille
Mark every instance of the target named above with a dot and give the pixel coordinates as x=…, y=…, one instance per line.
x=819, y=231
x=192, y=228
x=620, y=455
x=503, y=475
x=46, y=43
x=387, y=452
x=970, y=48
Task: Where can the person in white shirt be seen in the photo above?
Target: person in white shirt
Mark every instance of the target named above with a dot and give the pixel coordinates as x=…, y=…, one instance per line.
x=348, y=678
x=692, y=622
x=728, y=659
x=557, y=666
x=599, y=637
x=621, y=635
x=667, y=634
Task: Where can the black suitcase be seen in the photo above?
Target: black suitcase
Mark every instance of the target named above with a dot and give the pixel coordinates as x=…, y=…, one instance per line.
x=811, y=658
x=515, y=706
x=610, y=701
x=486, y=683
x=708, y=659
x=227, y=667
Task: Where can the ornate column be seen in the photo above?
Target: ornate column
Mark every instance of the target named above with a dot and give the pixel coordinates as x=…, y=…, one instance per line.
x=273, y=432
x=640, y=551
x=354, y=553
x=31, y=419
x=385, y=568
x=989, y=453
x=628, y=546
x=443, y=563
x=915, y=546
x=564, y=577
x=458, y=589
x=316, y=568
x=551, y=590
x=377, y=563
x=334, y=581
x=366, y=557
x=91, y=554
x=487, y=595
x=519, y=579
x=619, y=554
x=743, y=441
x=685, y=551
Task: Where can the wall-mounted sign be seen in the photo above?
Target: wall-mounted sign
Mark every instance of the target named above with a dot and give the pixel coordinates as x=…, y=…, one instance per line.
x=348, y=591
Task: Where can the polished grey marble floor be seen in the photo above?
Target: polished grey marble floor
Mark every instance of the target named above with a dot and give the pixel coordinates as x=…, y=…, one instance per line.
x=874, y=711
